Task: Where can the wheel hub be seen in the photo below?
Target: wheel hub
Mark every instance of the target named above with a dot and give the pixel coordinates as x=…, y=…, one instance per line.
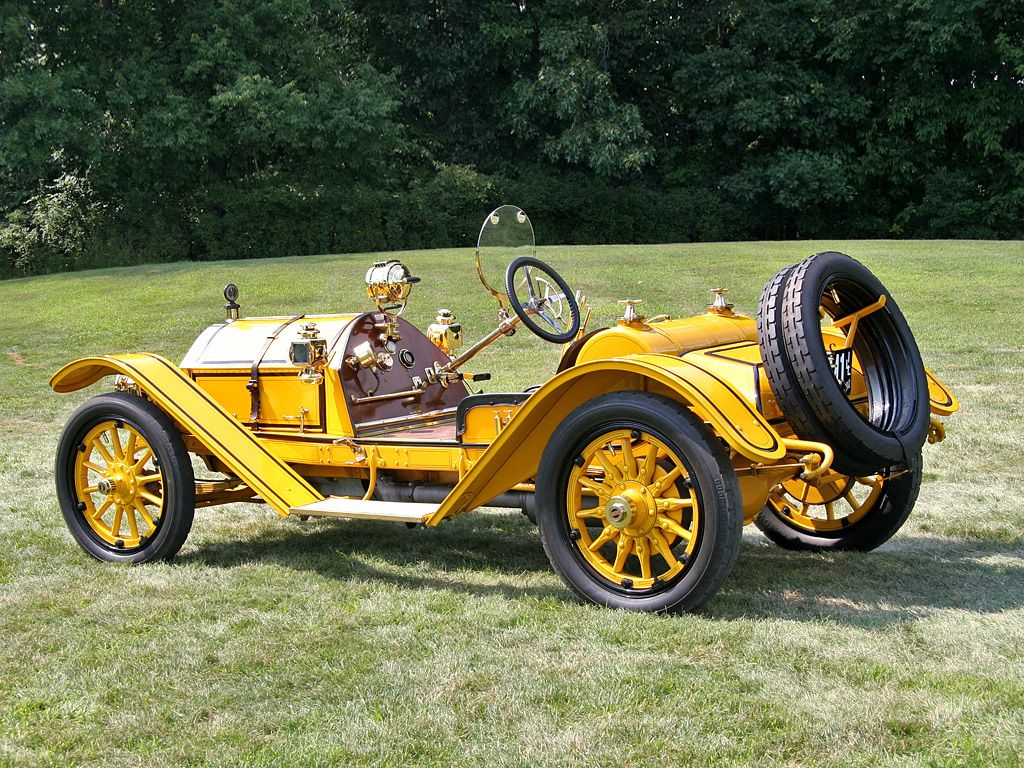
x=619, y=511
x=119, y=484
x=632, y=509
x=644, y=530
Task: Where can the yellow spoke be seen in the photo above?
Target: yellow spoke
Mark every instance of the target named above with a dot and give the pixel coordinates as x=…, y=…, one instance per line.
x=115, y=442
x=115, y=524
x=101, y=509
x=129, y=450
x=592, y=485
x=661, y=545
x=589, y=513
x=852, y=501
x=94, y=467
x=672, y=505
x=671, y=525
x=650, y=464
x=872, y=481
x=133, y=524
x=622, y=551
x=102, y=449
x=611, y=472
x=830, y=512
x=666, y=481
x=147, y=479
x=628, y=458
x=146, y=456
x=806, y=493
x=90, y=489
x=151, y=498
x=609, y=533
x=643, y=554
x=141, y=508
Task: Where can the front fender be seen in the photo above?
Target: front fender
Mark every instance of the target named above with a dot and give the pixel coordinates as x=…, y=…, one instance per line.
x=199, y=414
x=514, y=456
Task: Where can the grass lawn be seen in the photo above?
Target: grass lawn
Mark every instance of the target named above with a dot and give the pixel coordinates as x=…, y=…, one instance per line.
x=270, y=642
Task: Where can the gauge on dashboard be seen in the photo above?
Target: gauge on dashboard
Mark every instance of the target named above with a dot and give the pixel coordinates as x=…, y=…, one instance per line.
x=407, y=358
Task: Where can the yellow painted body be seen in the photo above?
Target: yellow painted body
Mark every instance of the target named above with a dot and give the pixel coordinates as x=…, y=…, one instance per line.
x=669, y=337
x=710, y=363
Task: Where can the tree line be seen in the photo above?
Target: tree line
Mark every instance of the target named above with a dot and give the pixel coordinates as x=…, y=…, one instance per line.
x=156, y=130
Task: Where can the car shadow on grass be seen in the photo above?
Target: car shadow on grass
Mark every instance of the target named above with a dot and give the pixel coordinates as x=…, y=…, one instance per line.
x=500, y=554
x=909, y=577
x=479, y=554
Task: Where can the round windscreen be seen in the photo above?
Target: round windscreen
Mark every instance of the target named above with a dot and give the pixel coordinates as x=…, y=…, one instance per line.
x=505, y=235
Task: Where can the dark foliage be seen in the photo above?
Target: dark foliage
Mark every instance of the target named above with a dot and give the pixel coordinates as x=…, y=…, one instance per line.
x=162, y=130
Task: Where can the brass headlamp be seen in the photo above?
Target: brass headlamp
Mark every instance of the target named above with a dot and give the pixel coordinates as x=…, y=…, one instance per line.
x=388, y=284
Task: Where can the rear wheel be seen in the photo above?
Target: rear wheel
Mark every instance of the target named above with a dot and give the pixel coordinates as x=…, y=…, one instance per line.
x=637, y=504
x=124, y=480
x=840, y=511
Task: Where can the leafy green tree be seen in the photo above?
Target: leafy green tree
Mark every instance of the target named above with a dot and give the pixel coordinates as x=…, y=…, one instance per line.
x=165, y=129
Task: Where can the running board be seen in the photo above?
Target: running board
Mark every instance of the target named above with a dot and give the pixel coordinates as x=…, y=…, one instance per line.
x=357, y=509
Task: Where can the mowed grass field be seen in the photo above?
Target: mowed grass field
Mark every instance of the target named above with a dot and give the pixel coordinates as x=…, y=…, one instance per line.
x=275, y=642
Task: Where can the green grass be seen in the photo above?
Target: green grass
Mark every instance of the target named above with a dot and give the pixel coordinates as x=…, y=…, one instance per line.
x=274, y=642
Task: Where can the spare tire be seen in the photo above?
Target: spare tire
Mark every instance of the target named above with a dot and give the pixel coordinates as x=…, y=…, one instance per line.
x=891, y=424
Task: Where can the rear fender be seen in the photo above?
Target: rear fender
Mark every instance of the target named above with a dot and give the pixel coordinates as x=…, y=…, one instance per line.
x=514, y=456
x=940, y=399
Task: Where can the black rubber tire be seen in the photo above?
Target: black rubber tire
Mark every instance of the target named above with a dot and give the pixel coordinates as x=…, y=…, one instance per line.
x=889, y=513
x=773, y=347
x=708, y=467
x=517, y=306
x=800, y=376
x=179, y=481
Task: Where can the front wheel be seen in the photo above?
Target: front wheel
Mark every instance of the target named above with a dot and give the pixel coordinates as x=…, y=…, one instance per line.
x=638, y=505
x=124, y=480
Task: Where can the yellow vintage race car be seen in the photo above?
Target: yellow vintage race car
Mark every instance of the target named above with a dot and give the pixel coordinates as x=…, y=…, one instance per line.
x=640, y=459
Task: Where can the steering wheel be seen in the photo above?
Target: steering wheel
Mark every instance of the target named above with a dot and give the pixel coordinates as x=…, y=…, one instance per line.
x=535, y=290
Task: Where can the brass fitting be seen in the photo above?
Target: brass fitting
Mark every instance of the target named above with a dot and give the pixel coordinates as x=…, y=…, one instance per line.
x=445, y=332
x=720, y=306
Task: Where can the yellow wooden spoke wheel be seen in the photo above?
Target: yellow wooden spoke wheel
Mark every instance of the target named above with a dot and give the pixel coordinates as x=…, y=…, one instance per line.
x=124, y=480
x=120, y=484
x=640, y=496
x=831, y=503
x=839, y=511
x=637, y=504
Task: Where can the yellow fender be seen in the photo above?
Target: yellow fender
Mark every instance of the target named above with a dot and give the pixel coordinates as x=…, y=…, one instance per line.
x=181, y=399
x=515, y=454
x=942, y=401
